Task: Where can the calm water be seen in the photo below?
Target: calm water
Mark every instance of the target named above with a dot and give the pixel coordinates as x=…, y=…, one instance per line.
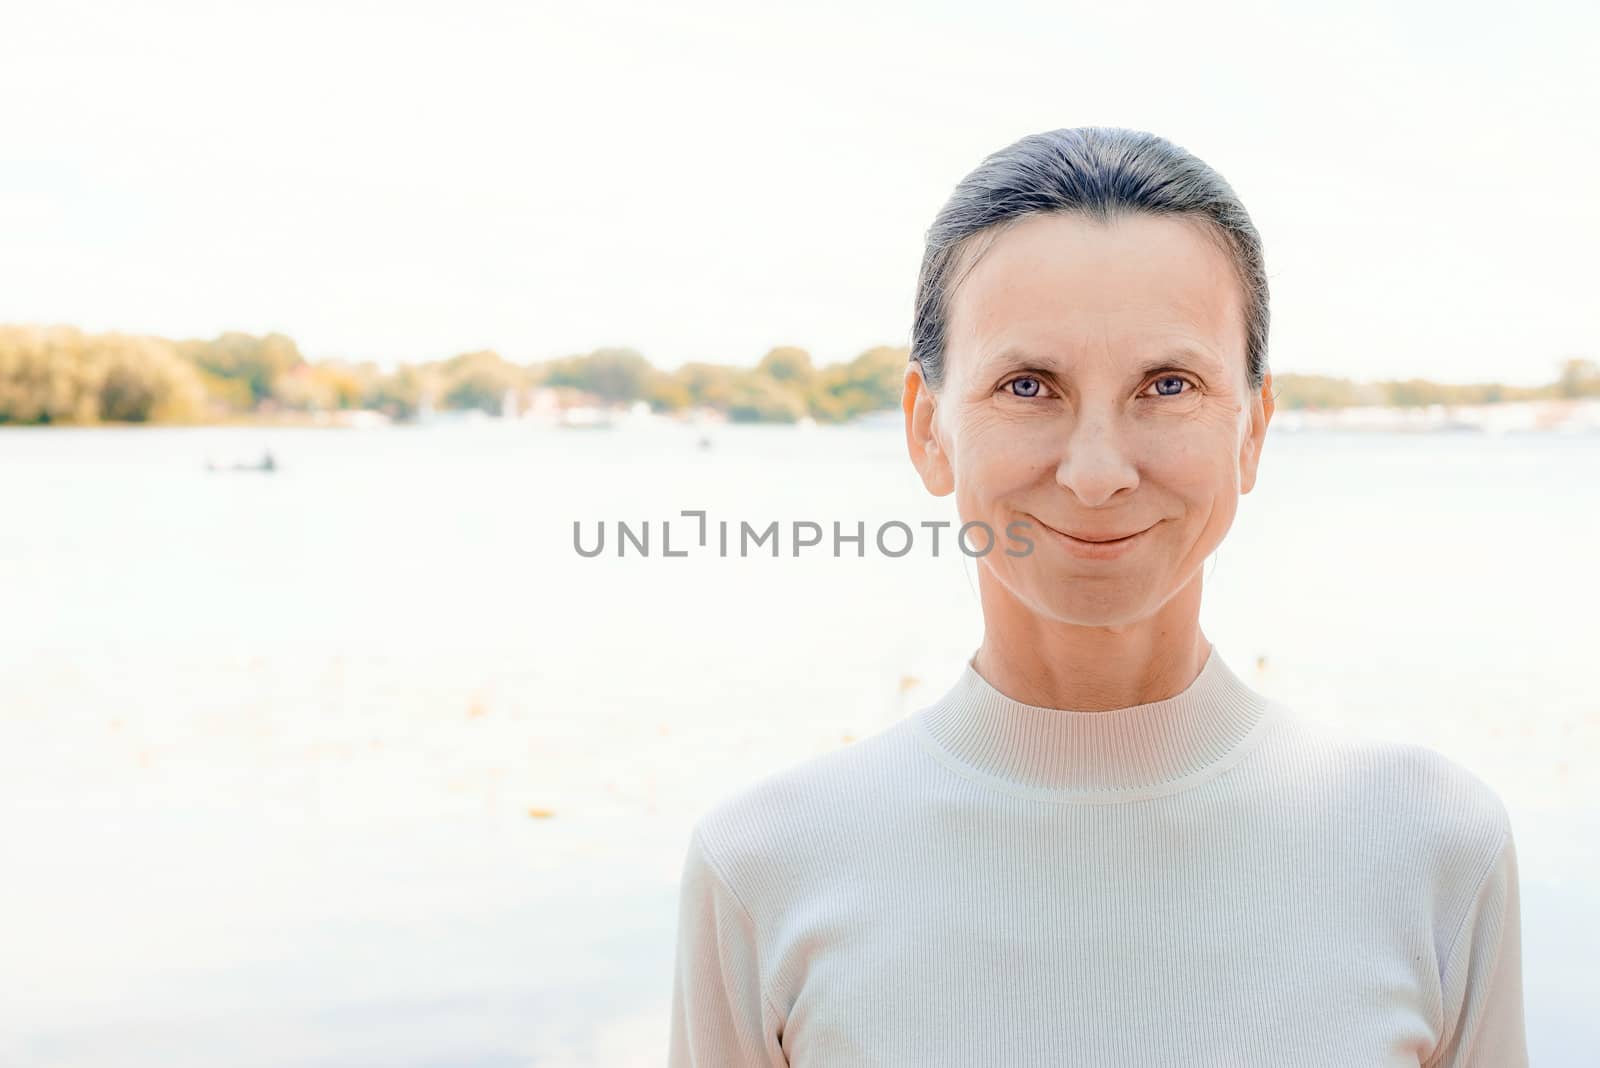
x=359, y=762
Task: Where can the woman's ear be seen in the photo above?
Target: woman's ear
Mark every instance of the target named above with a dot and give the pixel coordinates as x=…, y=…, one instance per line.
x=922, y=433
x=1261, y=406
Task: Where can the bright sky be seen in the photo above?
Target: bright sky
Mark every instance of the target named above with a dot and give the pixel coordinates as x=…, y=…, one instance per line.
x=707, y=180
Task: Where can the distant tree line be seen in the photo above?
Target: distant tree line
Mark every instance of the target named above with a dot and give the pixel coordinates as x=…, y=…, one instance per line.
x=61, y=375
x=1575, y=378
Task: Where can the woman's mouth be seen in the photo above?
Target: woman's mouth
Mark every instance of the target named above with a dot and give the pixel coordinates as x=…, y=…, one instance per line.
x=1097, y=545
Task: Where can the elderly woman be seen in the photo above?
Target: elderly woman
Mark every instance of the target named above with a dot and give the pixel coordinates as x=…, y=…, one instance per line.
x=1099, y=846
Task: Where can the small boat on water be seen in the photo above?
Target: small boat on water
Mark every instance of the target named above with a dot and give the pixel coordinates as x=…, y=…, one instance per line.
x=266, y=463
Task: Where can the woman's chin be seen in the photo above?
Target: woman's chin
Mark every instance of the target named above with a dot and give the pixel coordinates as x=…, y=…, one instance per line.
x=1092, y=603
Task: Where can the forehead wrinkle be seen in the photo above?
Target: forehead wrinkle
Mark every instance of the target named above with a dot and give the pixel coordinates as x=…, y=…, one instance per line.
x=1174, y=345
x=1186, y=315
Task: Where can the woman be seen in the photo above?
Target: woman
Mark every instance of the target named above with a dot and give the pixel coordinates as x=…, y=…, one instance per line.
x=1100, y=846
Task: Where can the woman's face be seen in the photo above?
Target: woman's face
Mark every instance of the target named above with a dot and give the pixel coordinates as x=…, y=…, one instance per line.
x=1095, y=386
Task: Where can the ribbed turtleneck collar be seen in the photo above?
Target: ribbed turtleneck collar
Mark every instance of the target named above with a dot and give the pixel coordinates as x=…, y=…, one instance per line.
x=1114, y=755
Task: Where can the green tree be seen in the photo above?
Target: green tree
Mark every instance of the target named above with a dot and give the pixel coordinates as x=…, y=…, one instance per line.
x=479, y=380
x=711, y=385
x=758, y=399
x=871, y=382
x=612, y=374
x=787, y=364
x=143, y=379
x=257, y=361
x=1578, y=378
x=398, y=394
x=42, y=376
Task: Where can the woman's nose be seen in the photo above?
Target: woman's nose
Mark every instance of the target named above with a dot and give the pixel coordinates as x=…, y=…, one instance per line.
x=1095, y=462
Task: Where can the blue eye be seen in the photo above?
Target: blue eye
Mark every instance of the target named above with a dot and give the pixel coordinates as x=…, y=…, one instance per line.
x=1029, y=387
x=1170, y=378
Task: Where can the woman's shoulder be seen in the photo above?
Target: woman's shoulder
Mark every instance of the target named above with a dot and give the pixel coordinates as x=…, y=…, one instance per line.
x=1398, y=785
x=819, y=799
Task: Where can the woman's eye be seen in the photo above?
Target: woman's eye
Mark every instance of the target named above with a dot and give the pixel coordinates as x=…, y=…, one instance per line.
x=1026, y=387
x=1170, y=385
x=1029, y=387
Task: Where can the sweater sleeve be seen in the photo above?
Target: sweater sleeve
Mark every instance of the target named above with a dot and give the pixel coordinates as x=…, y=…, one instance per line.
x=721, y=1016
x=1482, y=976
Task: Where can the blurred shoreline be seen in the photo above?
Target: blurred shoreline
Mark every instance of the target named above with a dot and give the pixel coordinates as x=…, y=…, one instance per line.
x=1565, y=416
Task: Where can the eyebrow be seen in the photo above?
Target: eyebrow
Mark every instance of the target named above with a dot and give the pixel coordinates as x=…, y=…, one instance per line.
x=1175, y=355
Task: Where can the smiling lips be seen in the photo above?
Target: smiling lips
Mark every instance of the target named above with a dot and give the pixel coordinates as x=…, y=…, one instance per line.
x=1097, y=538
x=1100, y=539
x=1097, y=545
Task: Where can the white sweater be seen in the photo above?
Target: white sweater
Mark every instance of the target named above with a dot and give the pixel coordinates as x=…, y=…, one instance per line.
x=1208, y=879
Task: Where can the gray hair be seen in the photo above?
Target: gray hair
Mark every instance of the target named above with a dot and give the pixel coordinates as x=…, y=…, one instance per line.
x=1101, y=172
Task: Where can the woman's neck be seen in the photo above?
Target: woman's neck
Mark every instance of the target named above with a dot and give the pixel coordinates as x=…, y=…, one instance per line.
x=1052, y=664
